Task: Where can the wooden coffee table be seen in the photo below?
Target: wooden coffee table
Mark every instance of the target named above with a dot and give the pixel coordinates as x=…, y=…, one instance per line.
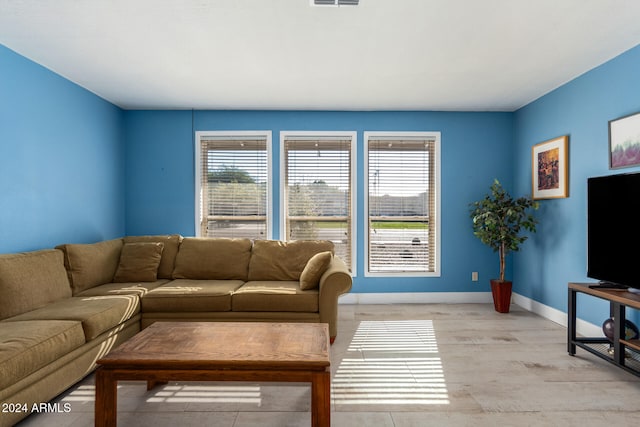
x=219, y=351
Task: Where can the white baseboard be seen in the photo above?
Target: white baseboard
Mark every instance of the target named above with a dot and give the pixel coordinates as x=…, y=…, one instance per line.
x=417, y=298
x=583, y=328
x=540, y=309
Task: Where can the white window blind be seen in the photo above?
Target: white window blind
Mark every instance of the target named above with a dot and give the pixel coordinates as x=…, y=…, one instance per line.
x=233, y=185
x=402, y=204
x=318, y=188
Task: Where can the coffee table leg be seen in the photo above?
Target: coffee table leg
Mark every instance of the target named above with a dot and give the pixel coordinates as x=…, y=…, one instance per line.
x=106, y=399
x=151, y=384
x=321, y=399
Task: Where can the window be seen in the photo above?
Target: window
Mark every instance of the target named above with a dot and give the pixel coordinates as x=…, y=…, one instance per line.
x=318, y=185
x=232, y=184
x=402, y=203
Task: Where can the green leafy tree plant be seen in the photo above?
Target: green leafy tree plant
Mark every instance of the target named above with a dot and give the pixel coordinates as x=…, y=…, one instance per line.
x=499, y=221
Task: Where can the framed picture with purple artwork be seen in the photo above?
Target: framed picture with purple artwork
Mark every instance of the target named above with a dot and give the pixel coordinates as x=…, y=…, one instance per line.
x=549, y=169
x=624, y=142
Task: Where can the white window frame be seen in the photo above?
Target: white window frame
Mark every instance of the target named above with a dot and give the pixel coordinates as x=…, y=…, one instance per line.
x=353, y=136
x=199, y=208
x=403, y=135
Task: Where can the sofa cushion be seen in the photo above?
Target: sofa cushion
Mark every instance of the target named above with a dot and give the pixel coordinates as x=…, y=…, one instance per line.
x=139, y=262
x=167, y=261
x=128, y=288
x=183, y=295
x=209, y=258
x=313, y=271
x=276, y=260
x=97, y=314
x=90, y=265
x=274, y=296
x=28, y=346
x=31, y=280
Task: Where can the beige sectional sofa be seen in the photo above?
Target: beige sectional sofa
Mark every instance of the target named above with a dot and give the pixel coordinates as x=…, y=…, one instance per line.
x=64, y=308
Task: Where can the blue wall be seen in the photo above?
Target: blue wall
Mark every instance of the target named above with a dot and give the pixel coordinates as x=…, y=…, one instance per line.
x=580, y=109
x=476, y=148
x=159, y=153
x=61, y=149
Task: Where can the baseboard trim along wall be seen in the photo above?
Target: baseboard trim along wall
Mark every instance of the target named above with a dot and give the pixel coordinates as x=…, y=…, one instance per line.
x=417, y=298
x=583, y=328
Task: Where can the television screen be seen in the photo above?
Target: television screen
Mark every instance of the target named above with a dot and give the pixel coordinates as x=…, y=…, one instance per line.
x=613, y=229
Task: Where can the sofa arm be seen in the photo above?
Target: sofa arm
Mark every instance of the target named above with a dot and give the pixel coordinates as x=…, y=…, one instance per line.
x=333, y=283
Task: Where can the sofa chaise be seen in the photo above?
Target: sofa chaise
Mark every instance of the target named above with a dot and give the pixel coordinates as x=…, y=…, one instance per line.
x=62, y=309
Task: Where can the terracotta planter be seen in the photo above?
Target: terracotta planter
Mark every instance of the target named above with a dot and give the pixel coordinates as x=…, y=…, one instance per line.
x=501, y=292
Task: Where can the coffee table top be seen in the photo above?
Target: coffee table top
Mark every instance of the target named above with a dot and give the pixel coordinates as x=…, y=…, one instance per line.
x=224, y=345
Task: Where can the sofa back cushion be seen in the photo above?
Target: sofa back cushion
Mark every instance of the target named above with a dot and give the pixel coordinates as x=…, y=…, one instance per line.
x=313, y=271
x=31, y=280
x=168, y=260
x=93, y=264
x=139, y=262
x=210, y=258
x=276, y=260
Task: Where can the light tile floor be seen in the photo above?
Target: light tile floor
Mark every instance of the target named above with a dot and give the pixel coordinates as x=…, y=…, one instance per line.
x=403, y=366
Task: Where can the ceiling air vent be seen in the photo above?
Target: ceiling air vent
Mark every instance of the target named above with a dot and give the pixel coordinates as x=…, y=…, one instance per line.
x=335, y=2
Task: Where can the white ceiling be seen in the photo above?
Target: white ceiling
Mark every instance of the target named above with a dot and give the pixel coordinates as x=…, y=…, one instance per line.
x=468, y=55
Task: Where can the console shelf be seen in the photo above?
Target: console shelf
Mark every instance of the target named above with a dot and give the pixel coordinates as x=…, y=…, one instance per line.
x=620, y=352
x=633, y=344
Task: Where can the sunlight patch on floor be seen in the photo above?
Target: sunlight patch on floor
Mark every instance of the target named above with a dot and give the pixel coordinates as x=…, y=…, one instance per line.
x=83, y=393
x=179, y=393
x=404, y=367
x=207, y=394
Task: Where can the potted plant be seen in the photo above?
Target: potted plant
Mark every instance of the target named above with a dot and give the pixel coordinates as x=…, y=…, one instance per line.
x=499, y=221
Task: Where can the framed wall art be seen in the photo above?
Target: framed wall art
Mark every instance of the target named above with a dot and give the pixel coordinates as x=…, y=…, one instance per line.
x=550, y=169
x=624, y=142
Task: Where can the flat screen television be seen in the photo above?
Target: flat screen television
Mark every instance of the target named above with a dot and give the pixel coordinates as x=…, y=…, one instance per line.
x=613, y=229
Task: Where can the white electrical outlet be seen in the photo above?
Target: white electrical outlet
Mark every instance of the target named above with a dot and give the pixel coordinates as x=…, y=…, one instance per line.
x=474, y=276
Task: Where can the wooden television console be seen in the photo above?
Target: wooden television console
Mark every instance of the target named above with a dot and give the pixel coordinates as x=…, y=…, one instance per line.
x=621, y=352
